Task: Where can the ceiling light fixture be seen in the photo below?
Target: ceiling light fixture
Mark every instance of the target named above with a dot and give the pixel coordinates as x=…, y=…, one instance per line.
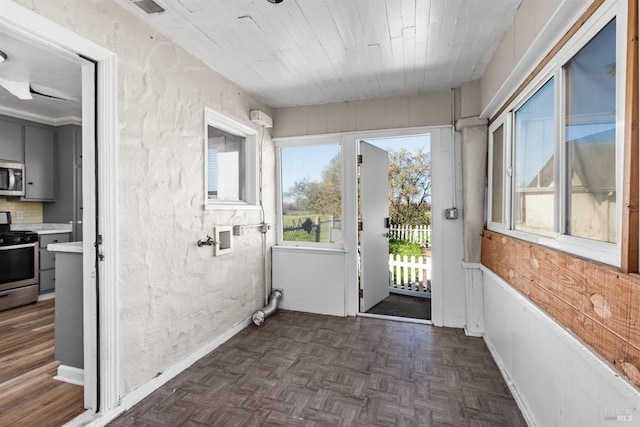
x=3, y=57
x=275, y=1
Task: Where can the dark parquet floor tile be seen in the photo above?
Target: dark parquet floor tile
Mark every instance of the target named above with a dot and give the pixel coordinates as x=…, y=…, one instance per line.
x=308, y=370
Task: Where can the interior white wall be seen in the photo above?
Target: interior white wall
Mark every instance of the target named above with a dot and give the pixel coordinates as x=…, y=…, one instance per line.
x=556, y=380
x=537, y=26
x=174, y=297
x=312, y=280
x=448, y=280
x=430, y=109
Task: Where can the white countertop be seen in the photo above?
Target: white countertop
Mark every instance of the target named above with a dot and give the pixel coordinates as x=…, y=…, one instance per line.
x=43, y=228
x=69, y=247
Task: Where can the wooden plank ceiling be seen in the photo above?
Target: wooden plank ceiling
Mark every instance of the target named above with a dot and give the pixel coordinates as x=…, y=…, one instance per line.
x=305, y=52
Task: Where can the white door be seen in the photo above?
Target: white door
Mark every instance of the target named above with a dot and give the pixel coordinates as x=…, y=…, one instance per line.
x=374, y=237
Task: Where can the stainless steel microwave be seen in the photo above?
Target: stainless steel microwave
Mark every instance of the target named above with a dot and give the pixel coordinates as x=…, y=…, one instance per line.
x=11, y=179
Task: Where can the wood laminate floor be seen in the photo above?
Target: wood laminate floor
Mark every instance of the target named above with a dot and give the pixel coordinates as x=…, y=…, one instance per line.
x=29, y=396
x=310, y=370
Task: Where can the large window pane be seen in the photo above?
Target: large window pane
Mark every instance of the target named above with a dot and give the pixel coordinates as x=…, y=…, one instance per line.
x=225, y=165
x=312, y=194
x=497, y=174
x=591, y=138
x=534, y=164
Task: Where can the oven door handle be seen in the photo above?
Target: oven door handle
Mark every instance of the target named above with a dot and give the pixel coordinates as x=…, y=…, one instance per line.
x=12, y=179
x=10, y=247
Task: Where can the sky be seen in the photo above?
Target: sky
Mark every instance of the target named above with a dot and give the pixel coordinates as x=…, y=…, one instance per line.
x=309, y=161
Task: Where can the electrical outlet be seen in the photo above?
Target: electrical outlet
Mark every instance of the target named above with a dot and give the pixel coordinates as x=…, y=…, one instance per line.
x=19, y=215
x=451, y=213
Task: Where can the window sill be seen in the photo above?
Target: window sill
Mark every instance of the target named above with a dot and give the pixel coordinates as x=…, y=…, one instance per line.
x=607, y=253
x=230, y=206
x=308, y=248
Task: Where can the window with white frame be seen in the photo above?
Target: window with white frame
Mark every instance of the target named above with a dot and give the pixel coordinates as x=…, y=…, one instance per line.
x=311, y=194
x=554, y=153
x=230, y=162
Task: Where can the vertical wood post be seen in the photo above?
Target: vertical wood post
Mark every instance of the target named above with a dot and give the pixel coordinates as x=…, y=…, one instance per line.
x=629, y=256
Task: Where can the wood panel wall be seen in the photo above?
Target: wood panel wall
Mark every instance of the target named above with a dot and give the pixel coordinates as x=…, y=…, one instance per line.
x=596, y=302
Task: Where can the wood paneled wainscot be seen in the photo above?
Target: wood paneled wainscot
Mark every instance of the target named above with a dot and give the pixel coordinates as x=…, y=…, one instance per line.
x=596, y=302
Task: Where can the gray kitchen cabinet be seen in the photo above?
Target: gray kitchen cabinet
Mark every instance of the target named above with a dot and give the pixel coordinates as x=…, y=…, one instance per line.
x=11, y=142
x=47, y=260
x=67, y=207
x=39, y=147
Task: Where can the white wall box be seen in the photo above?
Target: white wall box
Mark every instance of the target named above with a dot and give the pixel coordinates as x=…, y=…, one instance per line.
x=223, y=240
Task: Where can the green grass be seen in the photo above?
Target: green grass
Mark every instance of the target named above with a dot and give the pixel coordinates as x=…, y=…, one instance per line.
x=403, y=247
x=301, y=235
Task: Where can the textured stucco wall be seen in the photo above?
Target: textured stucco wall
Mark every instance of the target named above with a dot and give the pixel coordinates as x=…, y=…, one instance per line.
x=173, y=296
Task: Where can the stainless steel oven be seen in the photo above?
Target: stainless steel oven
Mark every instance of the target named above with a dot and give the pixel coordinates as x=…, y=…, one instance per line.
x=19, y=274
x=19, y=265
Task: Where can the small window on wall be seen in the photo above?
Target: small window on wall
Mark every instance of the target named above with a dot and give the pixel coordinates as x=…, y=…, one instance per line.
x=311, y=194
x=226, y=166
x=230, y=163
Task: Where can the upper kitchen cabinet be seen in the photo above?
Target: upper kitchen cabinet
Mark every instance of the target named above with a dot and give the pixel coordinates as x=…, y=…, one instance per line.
x=68, y=204
x=39, y=146
x=11, y=142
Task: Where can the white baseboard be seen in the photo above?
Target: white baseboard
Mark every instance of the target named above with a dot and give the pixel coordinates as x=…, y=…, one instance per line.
x=131, y=399
x=469, y=333
x=48, y=295
x=70, y=375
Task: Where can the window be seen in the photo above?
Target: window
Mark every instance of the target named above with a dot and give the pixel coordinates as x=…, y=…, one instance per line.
x=553, y=155
x=311, y=194
x=496, y=165
x=590, y=135
x=534, y=164
x=226, y=165
x=230, y=163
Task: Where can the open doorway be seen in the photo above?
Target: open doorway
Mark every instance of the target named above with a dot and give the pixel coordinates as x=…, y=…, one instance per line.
x=404, y=191
x=47, y=102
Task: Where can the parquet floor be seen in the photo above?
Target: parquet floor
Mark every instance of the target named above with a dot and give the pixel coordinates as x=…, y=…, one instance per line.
x=311, y=370
x=29, y=396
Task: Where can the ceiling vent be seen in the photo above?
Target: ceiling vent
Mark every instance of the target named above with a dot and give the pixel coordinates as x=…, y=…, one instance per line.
x=149, y=6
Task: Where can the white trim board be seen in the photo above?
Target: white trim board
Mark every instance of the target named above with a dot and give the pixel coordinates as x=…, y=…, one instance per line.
x=554, y=377
x=149, y=387
x=22, y=21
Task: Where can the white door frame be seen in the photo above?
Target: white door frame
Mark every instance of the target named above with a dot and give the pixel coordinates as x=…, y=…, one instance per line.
x=20, y=20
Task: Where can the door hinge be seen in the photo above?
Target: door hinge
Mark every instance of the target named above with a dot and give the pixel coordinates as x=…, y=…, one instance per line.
x=359, y=159
x=360, y=293
x=359, y=225
x=98, y=245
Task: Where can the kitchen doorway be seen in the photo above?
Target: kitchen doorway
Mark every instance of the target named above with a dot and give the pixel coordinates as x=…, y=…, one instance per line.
x=99, y=76
x=47, y=96
x=406, y=275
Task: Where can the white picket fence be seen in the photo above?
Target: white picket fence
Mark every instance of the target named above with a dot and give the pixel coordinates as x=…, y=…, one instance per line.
x=413, y=233
x=410, y=276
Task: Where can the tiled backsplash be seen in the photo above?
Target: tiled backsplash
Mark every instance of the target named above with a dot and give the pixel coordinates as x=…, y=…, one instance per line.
x=32, y=211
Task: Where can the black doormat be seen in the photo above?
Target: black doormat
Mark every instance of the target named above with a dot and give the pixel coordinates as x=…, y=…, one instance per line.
x=403, y=306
